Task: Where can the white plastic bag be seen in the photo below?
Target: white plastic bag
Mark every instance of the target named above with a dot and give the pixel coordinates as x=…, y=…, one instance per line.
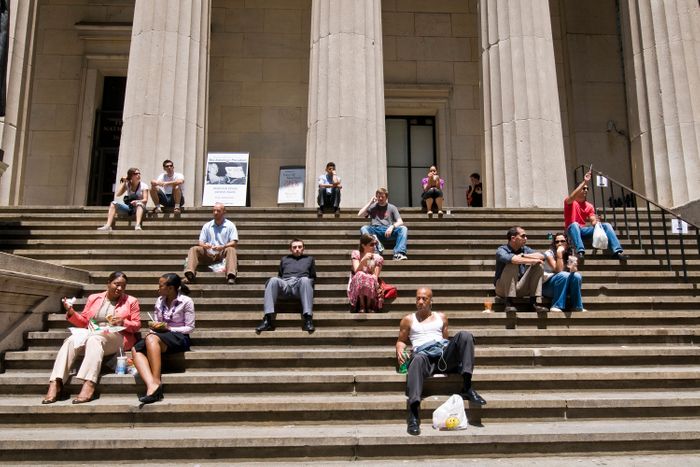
x=600, y=240
x=218, y=267
x=451, y=415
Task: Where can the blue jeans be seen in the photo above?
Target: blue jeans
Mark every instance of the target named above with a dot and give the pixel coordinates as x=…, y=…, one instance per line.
x=399, y=235
x=562, y=284
x=576, y=234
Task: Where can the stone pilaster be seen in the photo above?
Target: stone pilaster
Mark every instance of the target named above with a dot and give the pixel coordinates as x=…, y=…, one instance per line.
x=13, y=127
x=661, y=43
x=346, y=98
x=165, y=107
x=524, y=149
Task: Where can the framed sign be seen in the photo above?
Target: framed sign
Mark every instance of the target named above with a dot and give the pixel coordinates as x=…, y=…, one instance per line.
x=291, y=184
x=679, y=226
x=226, y=178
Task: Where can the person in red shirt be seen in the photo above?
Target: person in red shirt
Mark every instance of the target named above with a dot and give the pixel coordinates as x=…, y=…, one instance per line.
x=578, y=214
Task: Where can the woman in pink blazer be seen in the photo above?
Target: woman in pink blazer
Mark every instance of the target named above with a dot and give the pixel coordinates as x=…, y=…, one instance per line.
x=113, y=307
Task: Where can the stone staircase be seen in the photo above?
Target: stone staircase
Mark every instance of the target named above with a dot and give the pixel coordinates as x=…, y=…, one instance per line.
x=623, y=377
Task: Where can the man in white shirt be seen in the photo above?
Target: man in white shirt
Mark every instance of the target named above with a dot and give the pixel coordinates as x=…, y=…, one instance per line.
x=329, y=186
x=217, y=241
x=166, y=190
x=420, y=330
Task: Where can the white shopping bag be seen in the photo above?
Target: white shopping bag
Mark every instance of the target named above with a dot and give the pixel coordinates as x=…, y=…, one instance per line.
x=218, y=267
x=451, y=415
x=600, y=240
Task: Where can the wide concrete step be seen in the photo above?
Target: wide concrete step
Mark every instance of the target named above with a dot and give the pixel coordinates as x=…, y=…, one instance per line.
x=346, y=441
x=346, y=408
x=344, y=357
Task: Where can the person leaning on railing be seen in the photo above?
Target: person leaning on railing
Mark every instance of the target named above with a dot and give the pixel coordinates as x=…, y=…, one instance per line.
x=578, y=213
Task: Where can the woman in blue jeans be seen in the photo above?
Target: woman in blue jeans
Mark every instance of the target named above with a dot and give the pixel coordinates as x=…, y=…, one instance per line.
x=561, y=276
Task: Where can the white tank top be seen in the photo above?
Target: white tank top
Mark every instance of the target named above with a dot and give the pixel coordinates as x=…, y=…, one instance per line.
x=429, y=330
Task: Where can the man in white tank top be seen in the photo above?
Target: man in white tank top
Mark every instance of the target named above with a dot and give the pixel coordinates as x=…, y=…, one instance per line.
x=423, y=327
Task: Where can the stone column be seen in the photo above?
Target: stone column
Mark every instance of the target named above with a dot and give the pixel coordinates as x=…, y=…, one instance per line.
x=346, y=98
x=524, y=160
x=165, y=107
x=661, y=43
x=13, y=127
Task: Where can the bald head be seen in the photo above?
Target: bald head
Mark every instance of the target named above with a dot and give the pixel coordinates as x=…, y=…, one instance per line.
x=424, y=300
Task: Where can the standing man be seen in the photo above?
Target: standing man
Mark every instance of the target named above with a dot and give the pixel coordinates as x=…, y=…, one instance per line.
x=166, y=190
x=419, y=330
x=217, y=241
x=386, y=223
x=519, y=270
x=295, y=278
x=329, y=187
x=577, y=213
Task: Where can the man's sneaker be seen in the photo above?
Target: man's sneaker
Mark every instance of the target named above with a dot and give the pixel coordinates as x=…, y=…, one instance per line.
x=553, y=308
x=105, y=228
x=138, y=227
x=400, y=257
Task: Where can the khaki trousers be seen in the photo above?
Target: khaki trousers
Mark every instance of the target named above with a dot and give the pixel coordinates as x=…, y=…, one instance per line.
x=199, y=254
x=530, y=285
x=95, y=347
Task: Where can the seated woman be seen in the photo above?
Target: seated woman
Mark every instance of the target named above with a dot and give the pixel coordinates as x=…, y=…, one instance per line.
x=364, y=291
x=134, y=201
x=169, y=333
x=432, y=191
x=112, y=306
x=561, y=276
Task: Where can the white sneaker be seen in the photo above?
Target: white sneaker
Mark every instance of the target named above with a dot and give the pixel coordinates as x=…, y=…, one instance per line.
x=105, y=228
x=400, y=256
x=553, y=308
x=138, y=227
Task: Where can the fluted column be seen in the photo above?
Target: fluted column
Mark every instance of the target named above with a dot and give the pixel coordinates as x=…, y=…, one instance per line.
x=346, y=98
x=524, y=147
x=166, y=90
x=13, y=127
x=662, y=64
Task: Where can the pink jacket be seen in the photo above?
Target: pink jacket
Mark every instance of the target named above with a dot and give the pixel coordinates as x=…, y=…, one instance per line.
x=127, y=308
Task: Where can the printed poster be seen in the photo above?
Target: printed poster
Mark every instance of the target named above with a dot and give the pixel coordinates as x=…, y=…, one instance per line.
x=226, y=178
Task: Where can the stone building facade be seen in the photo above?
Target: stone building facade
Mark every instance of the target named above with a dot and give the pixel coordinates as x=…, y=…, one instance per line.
x=521, y=91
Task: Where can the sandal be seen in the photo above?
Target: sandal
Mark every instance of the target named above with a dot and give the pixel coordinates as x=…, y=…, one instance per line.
x=177, y=211
x=56, y=397
x=157, y=210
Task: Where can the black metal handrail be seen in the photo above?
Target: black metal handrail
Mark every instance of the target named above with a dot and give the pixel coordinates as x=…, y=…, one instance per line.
x=628, y=198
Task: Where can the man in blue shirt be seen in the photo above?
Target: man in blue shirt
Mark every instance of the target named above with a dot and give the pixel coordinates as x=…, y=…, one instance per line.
x=519, y=270
x=329, y=187
x=217, y=241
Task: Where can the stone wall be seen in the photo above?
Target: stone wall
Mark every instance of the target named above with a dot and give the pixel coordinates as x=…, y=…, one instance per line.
x=56, y=95
x=258, y=88
x=436, y=43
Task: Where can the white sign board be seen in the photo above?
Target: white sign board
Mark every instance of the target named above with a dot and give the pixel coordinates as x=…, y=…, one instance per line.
x=226, y=178
x=601, y=181
x=291, y=185
x=678, y=226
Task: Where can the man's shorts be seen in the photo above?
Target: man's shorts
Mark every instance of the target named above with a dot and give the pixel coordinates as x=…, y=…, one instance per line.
x=168, y=201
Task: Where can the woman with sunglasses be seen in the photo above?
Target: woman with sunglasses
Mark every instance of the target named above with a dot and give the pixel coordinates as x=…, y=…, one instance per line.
x=561, y=276
x=134, y=201
x=364, y=291
x=169, y=333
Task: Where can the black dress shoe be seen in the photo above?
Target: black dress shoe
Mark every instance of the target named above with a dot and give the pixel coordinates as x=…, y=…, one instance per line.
x=308, y=325
x=472, y=396
x=267, y=324
x=413, y=424
x=510, y=309
x=151, y=398
x=581, y=257
x=538, y=308
x=620, y=256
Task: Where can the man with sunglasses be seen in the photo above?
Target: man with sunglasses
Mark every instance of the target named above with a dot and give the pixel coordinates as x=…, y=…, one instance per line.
x=519, y=270
x=578, y=213
x=166, y=190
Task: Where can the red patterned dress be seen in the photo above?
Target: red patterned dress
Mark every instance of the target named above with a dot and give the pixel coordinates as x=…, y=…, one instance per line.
x=363, y=283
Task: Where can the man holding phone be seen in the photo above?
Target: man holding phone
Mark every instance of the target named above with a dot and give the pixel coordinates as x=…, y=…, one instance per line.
x=578, y=214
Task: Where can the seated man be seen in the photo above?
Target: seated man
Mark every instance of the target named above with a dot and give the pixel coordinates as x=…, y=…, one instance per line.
x=295, y=278
x=217, y=241
x=519, y=270
x=386, y=223
x=577, y=213
x=166, y=190
x=329, y=187
x=423, y=327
